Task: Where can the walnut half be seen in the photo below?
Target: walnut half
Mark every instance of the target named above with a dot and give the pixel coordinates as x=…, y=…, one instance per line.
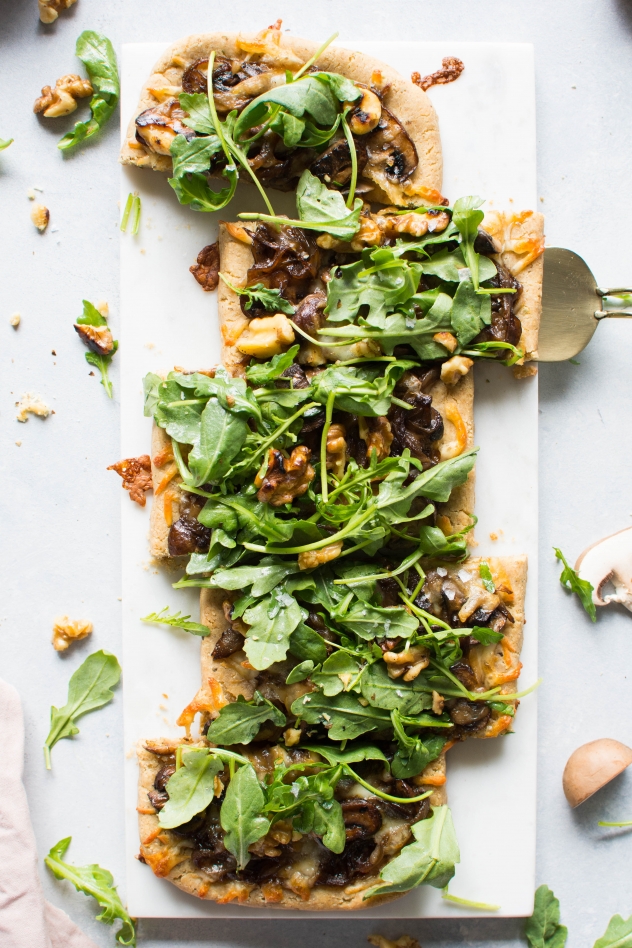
x=285, y=478
x=49, y=10
x=66, y=631
x=136, y=474
x=62, y=100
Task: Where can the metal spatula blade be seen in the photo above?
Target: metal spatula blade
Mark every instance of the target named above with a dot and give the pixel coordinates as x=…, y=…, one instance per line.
x=573, y=305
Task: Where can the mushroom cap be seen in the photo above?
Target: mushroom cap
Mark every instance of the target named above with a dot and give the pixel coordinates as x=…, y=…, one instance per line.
x=609, y=559
x=592, y=766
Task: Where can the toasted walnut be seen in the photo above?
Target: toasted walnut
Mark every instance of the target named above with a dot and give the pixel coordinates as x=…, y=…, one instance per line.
x=437, y=703
x=336, y=450
x=206, y=270
x=366, y=113
x=407, y=664
x=292, y=736
x=447, y=340
x=454, y=369
x=136, y=474
x=416, y=224
x=369, y=235
x=49, y=10
x=376, y=432
x=66, y=631
x=285, y=478
x=266, y=337
x=97, y=338
x=62, y=100
x=40, y=215
x=31, y=405
x=15, y=320
x=314, y=558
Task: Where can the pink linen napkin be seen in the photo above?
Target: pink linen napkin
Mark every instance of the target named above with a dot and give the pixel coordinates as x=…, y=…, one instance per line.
x=27, y=920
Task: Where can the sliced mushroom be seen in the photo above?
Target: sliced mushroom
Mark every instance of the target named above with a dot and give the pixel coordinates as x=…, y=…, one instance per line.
x=592, y=766
x=391, y=152
x=157, y=127
x=366, y=114
x=609, y=561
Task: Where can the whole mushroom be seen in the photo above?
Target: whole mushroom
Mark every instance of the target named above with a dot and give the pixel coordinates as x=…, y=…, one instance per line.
x=609, y=561
x=592, y=766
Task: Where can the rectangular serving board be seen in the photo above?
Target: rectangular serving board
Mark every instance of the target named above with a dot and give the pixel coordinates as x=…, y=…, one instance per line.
x=487, y=124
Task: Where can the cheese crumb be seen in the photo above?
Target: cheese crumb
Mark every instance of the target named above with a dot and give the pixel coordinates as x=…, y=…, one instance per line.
x=19, y=444
x=31, y=194
x=15, y=320
x=103, y=308
x=66, y=631
x=31, y=405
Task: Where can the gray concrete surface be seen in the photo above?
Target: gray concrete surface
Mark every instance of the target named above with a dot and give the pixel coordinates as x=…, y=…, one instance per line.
x=60, y=517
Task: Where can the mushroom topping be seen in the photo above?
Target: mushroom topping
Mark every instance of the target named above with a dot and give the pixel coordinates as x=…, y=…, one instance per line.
x=468, y=715
x=157, y=127
x=136, y=474
x=188, y=535
x=592, y=766
x=334, y=165
x=234, y=83
x=206, y=270
x=229, y=642
x=391, y=153
x=362, y=818
x=366, y=114
x=285, y=478
x=309, y=314
x=98, y=339
x=505, y=326
x=286, y=259
x=266, y=337
x=293, y=377
x=609, y=561
x=360, y=857
x=62, y=100
x=159, y=796
x=420, y=428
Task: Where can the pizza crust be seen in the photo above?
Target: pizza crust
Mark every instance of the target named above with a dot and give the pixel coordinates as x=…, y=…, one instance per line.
x=404, y=99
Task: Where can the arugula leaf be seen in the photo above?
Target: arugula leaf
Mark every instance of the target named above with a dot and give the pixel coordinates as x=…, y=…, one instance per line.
x=194, y=189
x=467, y=216
x=372, y=288
x=319, y=206
x=193, y=156
x=571, y=580
x=97, y=54
x=436, y=484
x=543, y=929
x=325, y=819
x=270, y=299
x=92, y=317
x=199, y=116
x=362, y=390
x=336, y=673
x=617, y=935
x=191, y=788
x=370, y=622
x=449, y=265
x=264, y=576
x=413, y=755
x=263, y=372
x=309, y=95
x=344, y=89
x=300, y=672
x=240, y=814
x=430, y=860
x=89, y=688
x=485, y=636
x=470, y=312
x=240, y=721
x=272, y=620
x=178, y=621
x=97, y=882
x=221, y=437
x=486, y=577
x=343, y=715
x=5, y=142
x=307, y=644
x=382, y=691
x=350, y=755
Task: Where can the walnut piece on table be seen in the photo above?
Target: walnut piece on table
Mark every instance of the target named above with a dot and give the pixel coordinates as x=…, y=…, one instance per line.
x=40, y=215
x=136, y=474
x=49, y=10
x=206, y=270
x=62, y=100
x=31, y=405
x=66, y=631
x=98, y=339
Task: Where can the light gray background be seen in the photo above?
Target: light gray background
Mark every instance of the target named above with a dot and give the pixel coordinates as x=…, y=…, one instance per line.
x=60, y=537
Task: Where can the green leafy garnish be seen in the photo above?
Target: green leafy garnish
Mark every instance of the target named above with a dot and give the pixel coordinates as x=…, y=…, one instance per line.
x=271, y=300
x=240, y=721
x=191, y=788
x=468, y=903
x=543, y=929
x=430, y=860
x=89, y=688
x=177, y=620
x=343, y=715
x=571, y=580
x=92, y=317
x=97, y=54
x=5, y=142
x=617, y=935
x=486, y=577
x=132, y=208
x=97, y=882
x=240, y=814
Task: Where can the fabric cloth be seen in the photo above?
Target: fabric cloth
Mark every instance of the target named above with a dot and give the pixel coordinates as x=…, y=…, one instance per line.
x=27, y=920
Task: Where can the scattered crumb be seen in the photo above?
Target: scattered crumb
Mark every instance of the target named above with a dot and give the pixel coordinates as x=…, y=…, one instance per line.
x=404, y=941
x=90, y=373
x=166, y=696
x=40, y=216
x=31, y=194
x=54, y=230
x=150, y=345
x=15, y=320
x=66, y=631
x=19, y=444
x=163, y=707
x=524, y=371
x=142, y=250
x=52, y=352
x=542, y=199
x=103, y=308
x=31, y=405
x=493, y=536
x=573, y=87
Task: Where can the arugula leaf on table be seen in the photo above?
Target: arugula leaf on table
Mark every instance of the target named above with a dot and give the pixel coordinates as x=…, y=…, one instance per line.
x=97, y=882
x=370, y=622
x=97, y=54
x=89, y=688
x=571, y=580
x=343, y=715
x=272, y=620
x=336, y=673
x=240, y=814
x=92, y=317
x=178, y=621
x=240, y=721
x=382, y=691
x=543, y=929
x=617, y=935
x=430, y=860
x=5, y=142
x=271, y=301
x=191, y=788
x=263, y=372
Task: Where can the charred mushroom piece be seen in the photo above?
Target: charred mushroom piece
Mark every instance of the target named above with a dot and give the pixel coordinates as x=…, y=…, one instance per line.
x=285, y=478
x=505, y=325
x=360, y=857
x=187, y=534
x=390, y=151
x=206, y=270
x=230, y=641
x=416, y=430
x=465, y=674
x=98, y=339
x=484, y=243
x=159, y=796
x=215, y=865
x=287, y=260
x=309, y=315
x=293, y=377
x=157, y=127
x=362, y=818
x=468, y=715
x=229, y=91
x=333, y=166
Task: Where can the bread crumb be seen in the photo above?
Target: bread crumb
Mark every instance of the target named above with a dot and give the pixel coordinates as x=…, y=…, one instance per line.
x=143, y=250
x=524, y=371
x=66, y=631
x=493, y=536
x=19, y=444
x=31, y=405
x=15, y=320
x=31, y=194
x=40, y=215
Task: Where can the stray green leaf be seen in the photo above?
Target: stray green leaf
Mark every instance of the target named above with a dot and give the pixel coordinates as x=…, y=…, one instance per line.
x=483, y=906
x=89, y=688
x=570, y=579
x=543, y=929
x=271, y=300
x=97, y=54
x=177, y=620
x=486, y=577
x=5, y=142
x=617, y=935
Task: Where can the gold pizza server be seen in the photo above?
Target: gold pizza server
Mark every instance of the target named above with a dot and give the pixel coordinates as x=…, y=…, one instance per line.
x=573, y=305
